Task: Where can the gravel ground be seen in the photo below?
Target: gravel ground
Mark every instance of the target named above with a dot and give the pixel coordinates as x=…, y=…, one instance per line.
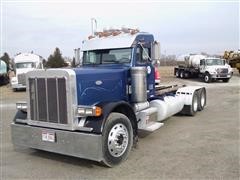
x=202, y=147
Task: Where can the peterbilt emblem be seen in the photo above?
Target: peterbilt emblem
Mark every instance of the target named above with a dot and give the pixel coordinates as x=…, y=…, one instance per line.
x=98, y=82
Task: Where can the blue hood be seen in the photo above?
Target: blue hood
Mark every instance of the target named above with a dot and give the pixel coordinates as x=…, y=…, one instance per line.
x=96, y=85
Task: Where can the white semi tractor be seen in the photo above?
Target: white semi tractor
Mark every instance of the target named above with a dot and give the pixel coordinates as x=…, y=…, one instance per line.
x=207, y=68
x=24, y=63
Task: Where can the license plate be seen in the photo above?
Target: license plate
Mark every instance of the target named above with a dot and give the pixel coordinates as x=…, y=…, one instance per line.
x=48, y=136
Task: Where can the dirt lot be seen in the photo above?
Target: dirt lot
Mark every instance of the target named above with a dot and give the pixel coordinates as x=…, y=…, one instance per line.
x=202, y=147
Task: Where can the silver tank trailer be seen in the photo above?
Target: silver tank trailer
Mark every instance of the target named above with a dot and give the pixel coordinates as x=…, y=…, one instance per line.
x=139, y=84
x=194, y=60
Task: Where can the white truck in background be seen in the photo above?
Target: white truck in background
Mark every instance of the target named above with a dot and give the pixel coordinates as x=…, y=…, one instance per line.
x=24, y=63
x=207, y=68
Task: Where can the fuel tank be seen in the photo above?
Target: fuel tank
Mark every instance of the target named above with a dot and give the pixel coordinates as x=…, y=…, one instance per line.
x=96, y=85
x=168, y=106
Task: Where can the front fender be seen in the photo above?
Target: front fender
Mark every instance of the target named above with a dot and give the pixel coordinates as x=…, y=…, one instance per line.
x=97, y=123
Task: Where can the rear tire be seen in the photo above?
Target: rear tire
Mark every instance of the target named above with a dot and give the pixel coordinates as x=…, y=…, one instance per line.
x=177, y=74
x=186, y=75
x=194, y=106
x=117, y=139
x=202, y=99
x=182, y=74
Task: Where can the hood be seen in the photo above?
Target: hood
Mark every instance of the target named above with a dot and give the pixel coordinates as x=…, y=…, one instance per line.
x=96, y=85
x=219, y=69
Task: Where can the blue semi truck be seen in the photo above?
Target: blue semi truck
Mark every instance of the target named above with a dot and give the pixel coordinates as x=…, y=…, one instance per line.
x=97, y=110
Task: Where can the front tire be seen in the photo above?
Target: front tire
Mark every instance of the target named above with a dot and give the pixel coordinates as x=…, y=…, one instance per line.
x=117, y=139
x=207, y=78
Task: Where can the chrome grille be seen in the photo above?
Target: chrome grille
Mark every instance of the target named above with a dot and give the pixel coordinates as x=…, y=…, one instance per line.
x=21, y=79
x=222, y=70
x=48, y=100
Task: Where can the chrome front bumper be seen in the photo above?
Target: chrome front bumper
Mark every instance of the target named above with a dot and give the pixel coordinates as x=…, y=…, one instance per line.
x=18, y=86
x=221, y=76
x=78, y=144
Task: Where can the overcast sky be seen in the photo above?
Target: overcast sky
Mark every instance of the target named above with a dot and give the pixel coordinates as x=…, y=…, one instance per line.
x=181, y=27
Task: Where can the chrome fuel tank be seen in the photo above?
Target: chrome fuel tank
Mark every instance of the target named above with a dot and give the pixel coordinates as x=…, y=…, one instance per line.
x=139, y=84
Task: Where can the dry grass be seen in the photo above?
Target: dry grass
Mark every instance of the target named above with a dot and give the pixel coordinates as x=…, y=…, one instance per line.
x=166, y=71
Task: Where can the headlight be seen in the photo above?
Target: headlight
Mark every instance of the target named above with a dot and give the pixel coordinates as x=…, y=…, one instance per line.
x=84, y=111
x=22, y=106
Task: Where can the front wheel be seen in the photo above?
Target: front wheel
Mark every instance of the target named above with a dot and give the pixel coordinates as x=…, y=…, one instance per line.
x=117, y=139
x=207, y=78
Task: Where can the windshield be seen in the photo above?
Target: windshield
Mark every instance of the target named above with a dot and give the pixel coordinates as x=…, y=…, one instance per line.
x=25, y=65
x=107, y=56
x=211, y=62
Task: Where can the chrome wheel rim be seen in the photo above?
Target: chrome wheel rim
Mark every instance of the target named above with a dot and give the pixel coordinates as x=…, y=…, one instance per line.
x=118, y=140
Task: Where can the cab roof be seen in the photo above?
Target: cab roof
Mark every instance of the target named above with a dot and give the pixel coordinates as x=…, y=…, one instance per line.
x=123, y=40
x=27, y=57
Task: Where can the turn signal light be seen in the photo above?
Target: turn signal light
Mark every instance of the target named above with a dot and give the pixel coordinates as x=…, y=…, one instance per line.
x=98, y=111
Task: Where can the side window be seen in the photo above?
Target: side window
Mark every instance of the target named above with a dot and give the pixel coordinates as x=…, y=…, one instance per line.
x=142, y=55
x=138, y=54
x=145, y=54
x=202, y=62
x=91, y=58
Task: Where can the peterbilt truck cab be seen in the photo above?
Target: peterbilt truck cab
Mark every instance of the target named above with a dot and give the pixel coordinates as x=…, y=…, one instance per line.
x=97, y=110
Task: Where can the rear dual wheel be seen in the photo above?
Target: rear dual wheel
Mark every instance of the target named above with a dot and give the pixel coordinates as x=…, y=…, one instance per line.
x=202, y=99
x=177, y=74
x=194, y=106
x=199, y=100
x=182, y=74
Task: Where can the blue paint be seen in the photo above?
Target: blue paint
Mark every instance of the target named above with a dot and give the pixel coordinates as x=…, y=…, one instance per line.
x=112, y=87
x=100, y=83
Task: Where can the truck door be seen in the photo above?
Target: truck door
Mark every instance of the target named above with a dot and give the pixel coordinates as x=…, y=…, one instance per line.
x=142, y=59
x=202, y=65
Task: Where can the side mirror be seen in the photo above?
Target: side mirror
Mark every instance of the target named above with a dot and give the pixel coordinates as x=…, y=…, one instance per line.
x=155, y=53
x=77, y=56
